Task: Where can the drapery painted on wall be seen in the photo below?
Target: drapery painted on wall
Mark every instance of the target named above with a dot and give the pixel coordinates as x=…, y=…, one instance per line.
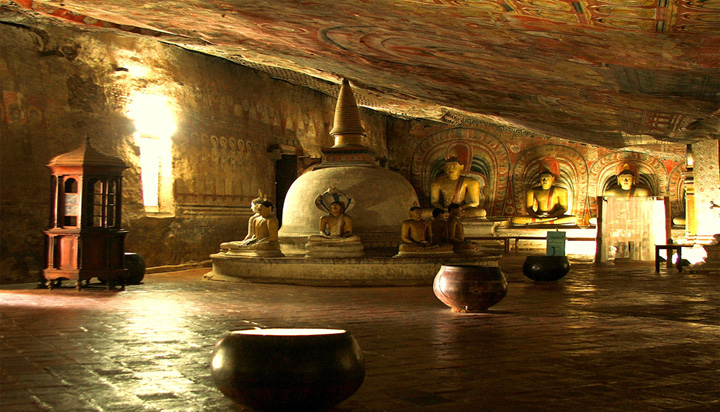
x=631, y=227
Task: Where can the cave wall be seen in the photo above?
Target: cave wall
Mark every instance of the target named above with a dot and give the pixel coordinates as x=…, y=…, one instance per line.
x=59, y=86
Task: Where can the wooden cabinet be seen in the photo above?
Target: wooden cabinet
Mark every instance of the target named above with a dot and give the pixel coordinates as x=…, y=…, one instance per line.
x=85, y=239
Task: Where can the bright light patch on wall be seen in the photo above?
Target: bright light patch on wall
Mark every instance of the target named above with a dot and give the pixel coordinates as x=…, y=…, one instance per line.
x=150, y=169
x=154, y=124
x=153, y=115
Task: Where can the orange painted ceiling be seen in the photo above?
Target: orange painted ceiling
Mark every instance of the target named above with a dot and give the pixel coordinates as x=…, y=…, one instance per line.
x=616, y=73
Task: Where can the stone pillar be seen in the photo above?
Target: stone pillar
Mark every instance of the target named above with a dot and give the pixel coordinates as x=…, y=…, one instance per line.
x=705, y=189
x=688, y=176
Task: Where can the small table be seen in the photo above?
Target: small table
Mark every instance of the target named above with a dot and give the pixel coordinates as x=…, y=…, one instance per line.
x=668, y=262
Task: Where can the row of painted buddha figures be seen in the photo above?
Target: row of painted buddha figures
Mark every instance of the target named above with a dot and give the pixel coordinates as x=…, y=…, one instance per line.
x=544, y=204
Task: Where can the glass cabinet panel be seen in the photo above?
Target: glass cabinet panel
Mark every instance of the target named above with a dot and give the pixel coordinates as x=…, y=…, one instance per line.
x=71, y=210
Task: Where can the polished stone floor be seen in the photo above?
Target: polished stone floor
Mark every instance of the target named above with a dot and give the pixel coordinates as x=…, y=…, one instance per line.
x=612, y=338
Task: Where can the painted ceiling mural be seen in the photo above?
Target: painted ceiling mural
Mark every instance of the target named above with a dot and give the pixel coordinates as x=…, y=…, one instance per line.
x=616, y=73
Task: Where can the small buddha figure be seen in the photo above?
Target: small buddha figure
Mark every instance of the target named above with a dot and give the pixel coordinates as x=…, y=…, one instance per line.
x=452, y=187
x=336, y=237
x=416, y=235
x=255, y=207
x=626, y=184
x=456, y=233
x=546, y=204
x=439, y=227
x=262, y=239
x=336, y=226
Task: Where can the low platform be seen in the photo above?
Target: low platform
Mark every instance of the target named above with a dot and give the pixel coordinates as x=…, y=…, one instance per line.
x=479, y=227
x=366, y=271
x=581, y=241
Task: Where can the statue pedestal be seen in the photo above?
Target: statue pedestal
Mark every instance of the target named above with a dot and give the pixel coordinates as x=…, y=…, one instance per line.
x=474, y=227
x=406, y=250
x=581, y=241
x=381, y=243
x=365, y=271
x=468, y=249
x=271, y=249
x=332, y=249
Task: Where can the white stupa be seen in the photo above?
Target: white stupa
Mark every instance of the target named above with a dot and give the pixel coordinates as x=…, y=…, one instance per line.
x=383, y=197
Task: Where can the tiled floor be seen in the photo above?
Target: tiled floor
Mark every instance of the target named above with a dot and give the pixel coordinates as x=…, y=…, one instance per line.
x=601, y=339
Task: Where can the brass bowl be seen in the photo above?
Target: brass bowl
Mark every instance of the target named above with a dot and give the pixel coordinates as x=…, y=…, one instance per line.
x=470, y=288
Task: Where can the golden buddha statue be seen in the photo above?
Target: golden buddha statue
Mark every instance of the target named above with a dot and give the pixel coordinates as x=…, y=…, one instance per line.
x=453, y=187
x=627, y=187
x=416, y=235
x=545, y=204
x=456, y=232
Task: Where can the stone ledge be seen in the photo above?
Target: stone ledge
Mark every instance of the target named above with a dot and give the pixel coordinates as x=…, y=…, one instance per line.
x=366, y=271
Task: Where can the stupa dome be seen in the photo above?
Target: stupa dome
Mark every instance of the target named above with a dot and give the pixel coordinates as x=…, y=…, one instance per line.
x=383, y=198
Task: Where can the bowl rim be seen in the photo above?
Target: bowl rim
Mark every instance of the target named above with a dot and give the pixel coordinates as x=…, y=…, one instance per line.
x=288, y=332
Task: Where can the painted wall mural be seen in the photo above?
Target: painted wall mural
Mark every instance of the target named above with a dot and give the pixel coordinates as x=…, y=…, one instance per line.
x=220, y=171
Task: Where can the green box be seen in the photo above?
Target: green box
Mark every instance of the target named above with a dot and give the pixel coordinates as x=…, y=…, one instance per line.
x=556, y=243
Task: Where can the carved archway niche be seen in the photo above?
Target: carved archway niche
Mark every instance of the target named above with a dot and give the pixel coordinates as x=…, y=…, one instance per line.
x=485, y=158
x=573, y=176
x=651, y=174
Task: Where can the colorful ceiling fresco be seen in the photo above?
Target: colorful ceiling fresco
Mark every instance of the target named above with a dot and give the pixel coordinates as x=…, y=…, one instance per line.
x=616, y=73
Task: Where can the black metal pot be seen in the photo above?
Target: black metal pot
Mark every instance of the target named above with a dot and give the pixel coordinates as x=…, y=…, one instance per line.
x=288, y=369
x=135, y=265
x=546, y=268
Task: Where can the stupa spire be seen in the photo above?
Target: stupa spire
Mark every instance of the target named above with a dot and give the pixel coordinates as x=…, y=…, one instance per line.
x=347, y=129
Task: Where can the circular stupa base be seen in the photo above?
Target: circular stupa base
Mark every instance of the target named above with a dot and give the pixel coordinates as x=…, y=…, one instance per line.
x=365, y=271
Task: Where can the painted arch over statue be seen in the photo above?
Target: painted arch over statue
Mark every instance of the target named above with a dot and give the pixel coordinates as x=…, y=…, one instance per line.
x=484, y=157
x=571, y=173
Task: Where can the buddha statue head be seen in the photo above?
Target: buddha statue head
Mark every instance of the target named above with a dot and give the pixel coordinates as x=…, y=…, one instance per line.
x=626, y=176
x=546, y=179
x=333, y=196
x=265, y=208
x=337, y=208
x=255, y=203
x=453, y=168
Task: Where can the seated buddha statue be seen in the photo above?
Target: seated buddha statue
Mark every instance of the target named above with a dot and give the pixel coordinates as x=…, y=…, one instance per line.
x=626, y=185
x=416, y=236
x=545, y=204
x=626, y=188
x=262, y=239
x=336, y=226
x=336, y=237
x=456, y=233
x=439, y=226
x=254, y=207
x=453, y=187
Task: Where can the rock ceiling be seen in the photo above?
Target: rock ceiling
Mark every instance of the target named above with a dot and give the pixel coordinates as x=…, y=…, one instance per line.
x=616, y=73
